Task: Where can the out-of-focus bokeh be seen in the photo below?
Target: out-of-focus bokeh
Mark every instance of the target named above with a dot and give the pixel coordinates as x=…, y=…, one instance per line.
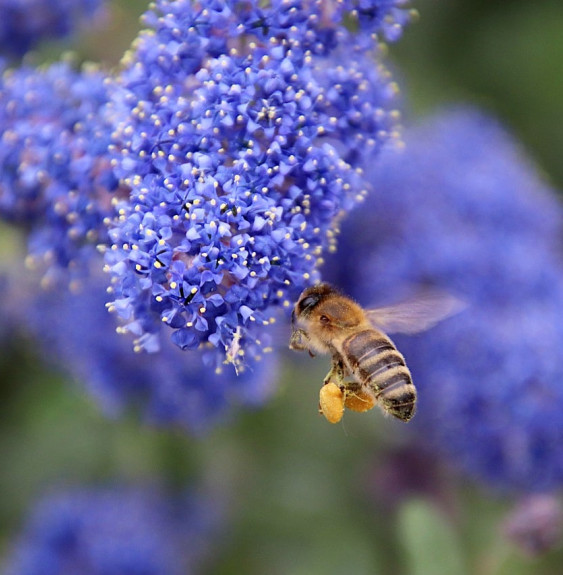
x=293, y=494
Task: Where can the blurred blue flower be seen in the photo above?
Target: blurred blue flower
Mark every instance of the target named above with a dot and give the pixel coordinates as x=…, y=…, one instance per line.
x=25, y=23
x=385, y=17
x=55, y=173
x=535, y=524
x=169, y=388
x=462, y=209
x=245, y=139
x=115, y=531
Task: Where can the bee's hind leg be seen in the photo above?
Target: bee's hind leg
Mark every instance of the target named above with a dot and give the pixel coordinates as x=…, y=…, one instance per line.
x=331, y=397
x=358, y=397
x=337, y=372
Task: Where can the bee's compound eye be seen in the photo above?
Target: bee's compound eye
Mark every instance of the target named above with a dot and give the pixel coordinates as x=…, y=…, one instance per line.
x=308, y=302
x=324, y=319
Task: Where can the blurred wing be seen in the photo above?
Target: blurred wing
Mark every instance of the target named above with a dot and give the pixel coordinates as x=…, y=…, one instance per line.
x=417, y=314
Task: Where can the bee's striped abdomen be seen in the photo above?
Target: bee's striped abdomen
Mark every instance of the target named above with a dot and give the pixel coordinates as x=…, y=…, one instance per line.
x=376, y=363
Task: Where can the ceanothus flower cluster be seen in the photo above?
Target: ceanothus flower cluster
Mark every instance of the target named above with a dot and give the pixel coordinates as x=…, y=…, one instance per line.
x=182, y=34
x=55, y=174
x=115, y=530
x=245, y=129
x=74, y=332
x=463, y=210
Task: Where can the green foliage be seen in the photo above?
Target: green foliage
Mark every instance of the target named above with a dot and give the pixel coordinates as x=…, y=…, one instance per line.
x=431, y=543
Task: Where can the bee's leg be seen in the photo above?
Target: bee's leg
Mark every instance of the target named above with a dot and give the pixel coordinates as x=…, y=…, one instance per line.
x=337, y=371
x=332, y=394
x=331, y=402
x=358, y=397
x=298, y=340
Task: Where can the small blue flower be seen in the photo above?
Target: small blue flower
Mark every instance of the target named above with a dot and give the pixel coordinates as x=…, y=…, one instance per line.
x=244, y=142
x=169, y=387
x=115, y=531
x=461, y=209
x=25, y=23
x=385, y=17
x=55, y=173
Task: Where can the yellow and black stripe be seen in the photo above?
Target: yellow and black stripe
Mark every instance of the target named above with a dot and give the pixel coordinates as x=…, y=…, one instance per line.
x=376, y=363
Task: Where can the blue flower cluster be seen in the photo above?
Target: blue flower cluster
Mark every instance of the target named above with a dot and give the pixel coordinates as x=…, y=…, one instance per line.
x=55, y=173
x=463, y=210
x=182, y=35
x=115, y=531
x=244, y=131
x=25, y=23
x=221, y=157
x=170, y=387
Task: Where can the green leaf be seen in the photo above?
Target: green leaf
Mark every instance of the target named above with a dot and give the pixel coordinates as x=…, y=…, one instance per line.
x=429, y=540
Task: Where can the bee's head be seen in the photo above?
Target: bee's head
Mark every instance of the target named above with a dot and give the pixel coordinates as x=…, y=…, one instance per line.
x=321, y=314
x=310, y=299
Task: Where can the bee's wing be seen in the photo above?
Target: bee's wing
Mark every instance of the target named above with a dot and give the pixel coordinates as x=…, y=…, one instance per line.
x=417, y=314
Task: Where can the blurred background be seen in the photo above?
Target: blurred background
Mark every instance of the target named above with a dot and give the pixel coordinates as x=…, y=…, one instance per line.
x=298, y=496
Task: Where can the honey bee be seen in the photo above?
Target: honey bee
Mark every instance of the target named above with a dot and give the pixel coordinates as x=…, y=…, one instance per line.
x=325, y=321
